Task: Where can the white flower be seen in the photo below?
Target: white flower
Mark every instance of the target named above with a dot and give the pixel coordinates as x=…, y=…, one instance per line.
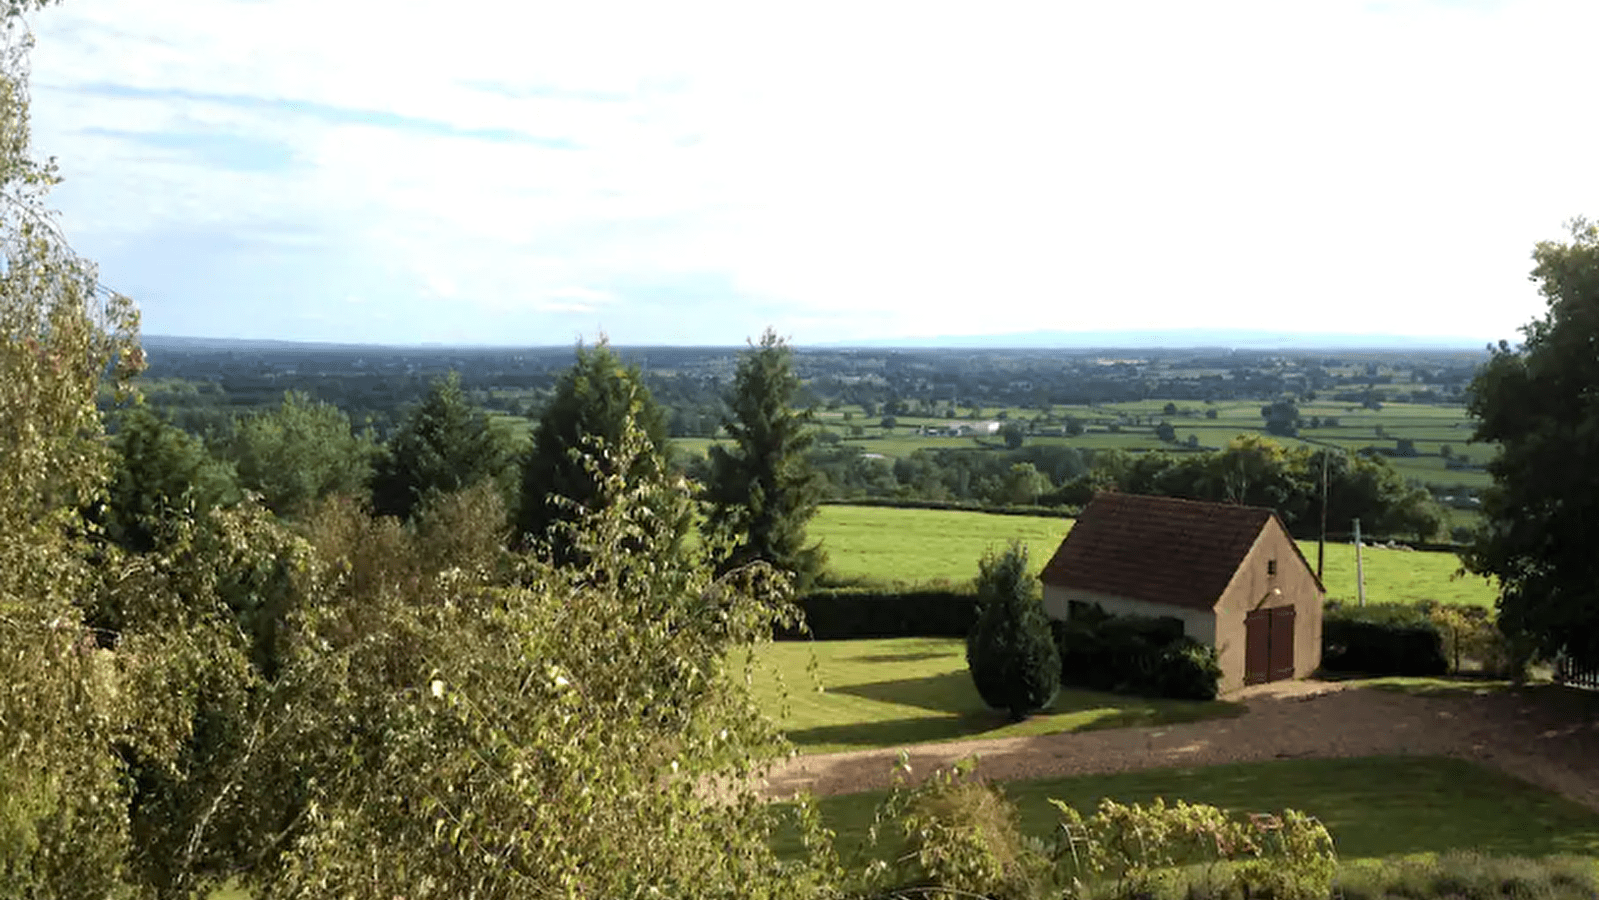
x=438, y=688
x=556, y=676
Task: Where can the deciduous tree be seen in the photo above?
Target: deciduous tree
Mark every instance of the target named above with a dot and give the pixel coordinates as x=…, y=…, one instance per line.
x=1014, y=434
x=301, y=452
x=63, y=817
x=1540, y=402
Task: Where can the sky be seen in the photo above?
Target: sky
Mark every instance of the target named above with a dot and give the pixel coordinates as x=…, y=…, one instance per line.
x=484, y=172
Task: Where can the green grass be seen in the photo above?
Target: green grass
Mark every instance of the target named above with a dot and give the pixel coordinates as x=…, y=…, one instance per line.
x=886, y=546
x=900, y=691
x=1398, y=576
x=1374, y=806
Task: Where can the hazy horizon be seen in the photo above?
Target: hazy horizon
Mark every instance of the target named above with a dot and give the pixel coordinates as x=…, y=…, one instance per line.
x=1196, y=339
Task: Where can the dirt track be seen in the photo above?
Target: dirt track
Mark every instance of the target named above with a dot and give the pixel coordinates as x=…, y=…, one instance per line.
x=1546, y=735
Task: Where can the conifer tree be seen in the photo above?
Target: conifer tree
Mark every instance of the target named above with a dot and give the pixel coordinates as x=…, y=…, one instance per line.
x=162, y=471
x=762, y=489
x=444, y=445
x=1010, y=653
x=593, y=402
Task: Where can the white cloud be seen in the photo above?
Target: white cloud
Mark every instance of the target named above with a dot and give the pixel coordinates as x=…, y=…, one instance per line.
x=876, y=168
x=574, y=300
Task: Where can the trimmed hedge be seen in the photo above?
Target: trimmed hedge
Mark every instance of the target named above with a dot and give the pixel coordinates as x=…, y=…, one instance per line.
x=1135, y=655
x=843, y=613
x=1039, y=510
x=1382, y=639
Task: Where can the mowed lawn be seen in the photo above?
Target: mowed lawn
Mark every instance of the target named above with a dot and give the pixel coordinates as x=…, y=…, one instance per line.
x=1374, y=806
x=888, y=546
x=852, y=695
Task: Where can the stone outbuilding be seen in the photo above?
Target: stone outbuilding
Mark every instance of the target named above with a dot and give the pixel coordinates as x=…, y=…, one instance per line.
x=1232, y=575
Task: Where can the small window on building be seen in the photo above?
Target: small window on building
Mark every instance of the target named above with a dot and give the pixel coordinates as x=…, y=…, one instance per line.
x=1271, y=567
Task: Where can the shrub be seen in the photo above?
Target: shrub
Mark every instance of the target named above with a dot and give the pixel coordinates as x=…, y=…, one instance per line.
x=1472, y=637
x=1137, y=850
x=1135, y=654
x=1013, y=661
x=1382, y=639
x=956, y=836
x=843, y=613
x=1189, y=670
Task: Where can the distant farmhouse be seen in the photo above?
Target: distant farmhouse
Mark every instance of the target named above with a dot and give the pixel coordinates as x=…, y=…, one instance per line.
x=1231, y=574
x=960, y=429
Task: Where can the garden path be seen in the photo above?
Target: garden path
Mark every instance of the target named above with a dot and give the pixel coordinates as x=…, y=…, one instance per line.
x=1546, y=735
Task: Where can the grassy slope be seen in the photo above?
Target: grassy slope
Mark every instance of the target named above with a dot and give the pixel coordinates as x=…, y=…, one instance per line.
x=894, y=692
x=919, y=546
x=1374, y=806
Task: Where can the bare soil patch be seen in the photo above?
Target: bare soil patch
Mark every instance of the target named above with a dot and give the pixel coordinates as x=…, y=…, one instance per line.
x=1544, y=734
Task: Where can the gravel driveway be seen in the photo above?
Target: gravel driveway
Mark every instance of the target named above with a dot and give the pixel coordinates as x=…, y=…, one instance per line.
x=1546, y=735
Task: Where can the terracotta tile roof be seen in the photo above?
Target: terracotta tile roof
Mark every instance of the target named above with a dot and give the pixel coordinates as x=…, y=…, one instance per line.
x=1156, y=549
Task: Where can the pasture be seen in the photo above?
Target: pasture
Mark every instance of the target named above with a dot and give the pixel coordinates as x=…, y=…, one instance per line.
x=1374, y=806
x=887, y=546
x=830, y=696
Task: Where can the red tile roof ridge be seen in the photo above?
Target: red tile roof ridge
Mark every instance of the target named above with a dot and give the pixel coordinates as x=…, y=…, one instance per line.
x=1165, y=550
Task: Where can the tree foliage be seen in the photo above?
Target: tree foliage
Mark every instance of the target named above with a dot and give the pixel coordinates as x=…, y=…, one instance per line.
x=161, y=472
x=1540, y=402
x=1282, y=418
x=300, y=453
x=762, y=489
x=63, y=829
x=443, y=446
x=1257, y=471
x=1013, y=434
x=596, y=402
x=1010, y=653
x=456, y=734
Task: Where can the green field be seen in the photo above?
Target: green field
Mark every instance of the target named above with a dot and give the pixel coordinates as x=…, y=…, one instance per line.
x=1374, y=806
x=888, y=546
x=830, y=696
x=884, y=545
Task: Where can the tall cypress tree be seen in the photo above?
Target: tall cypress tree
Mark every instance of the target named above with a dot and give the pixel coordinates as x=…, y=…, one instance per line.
x=762, y=489
x=593, y=400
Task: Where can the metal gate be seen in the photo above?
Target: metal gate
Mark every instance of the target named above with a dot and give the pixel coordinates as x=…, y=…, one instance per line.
x=1269, y=644
x=1568, y=672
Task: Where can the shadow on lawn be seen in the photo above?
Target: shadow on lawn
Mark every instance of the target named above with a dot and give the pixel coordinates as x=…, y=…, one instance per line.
x=913, y=656
x=898, y=732
x=946, y=692
x=958, y=713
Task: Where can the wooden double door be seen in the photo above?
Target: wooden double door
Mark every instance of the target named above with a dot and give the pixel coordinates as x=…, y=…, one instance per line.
x=1269, y=644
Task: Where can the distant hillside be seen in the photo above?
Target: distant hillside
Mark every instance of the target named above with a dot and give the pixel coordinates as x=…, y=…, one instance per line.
x=1177, y=339
x=1191, y=338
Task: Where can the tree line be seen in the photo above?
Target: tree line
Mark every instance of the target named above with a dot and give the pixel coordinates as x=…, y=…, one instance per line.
x=1251, y=470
